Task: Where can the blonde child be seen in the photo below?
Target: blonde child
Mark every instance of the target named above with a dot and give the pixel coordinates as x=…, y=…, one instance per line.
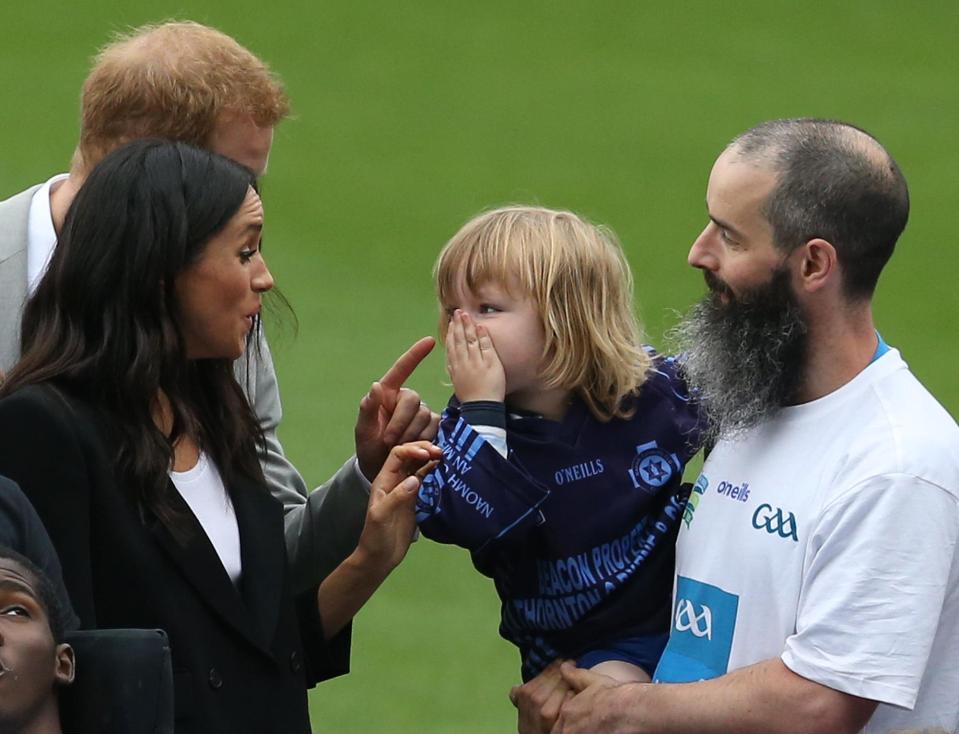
x=564, y=443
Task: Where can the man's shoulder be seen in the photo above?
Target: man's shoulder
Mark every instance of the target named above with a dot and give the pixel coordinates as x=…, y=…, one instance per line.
x=14, y=221
x=884, y=423
x=908, y=407
x=19, y=202
x=903, y=429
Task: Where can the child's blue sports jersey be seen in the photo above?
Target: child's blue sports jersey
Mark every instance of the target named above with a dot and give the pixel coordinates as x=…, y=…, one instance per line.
x=577, y=527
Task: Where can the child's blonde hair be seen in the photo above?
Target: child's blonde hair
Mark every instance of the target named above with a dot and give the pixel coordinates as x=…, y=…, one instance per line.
x=577, y=277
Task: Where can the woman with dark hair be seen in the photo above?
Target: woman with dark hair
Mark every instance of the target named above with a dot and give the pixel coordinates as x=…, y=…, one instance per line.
x=124, y=425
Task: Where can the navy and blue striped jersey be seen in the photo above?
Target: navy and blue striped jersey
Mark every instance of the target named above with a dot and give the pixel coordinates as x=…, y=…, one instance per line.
x=577, y=526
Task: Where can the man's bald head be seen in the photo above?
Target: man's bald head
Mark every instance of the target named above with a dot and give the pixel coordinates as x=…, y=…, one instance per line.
x=177, y=81
x=835, y=182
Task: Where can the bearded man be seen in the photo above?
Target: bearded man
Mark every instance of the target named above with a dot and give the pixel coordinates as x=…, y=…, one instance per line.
x=817, y=571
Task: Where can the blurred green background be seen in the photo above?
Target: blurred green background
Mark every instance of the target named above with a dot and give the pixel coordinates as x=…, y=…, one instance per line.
x=411, y=117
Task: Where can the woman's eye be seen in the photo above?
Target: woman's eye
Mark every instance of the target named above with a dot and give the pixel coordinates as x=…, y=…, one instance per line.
x=247, y=255
x=15, y=611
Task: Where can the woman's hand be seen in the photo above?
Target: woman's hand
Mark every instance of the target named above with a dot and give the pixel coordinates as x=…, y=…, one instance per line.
x=387, y=534
x=390, y=515
x=391, y=414
x=471, y=360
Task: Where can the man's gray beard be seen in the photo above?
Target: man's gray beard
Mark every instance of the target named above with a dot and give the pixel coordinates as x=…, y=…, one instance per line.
x=744, y=359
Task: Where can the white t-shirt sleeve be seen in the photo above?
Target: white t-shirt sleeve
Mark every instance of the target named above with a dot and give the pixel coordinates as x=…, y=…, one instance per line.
x=874, y=582
x=495, y=437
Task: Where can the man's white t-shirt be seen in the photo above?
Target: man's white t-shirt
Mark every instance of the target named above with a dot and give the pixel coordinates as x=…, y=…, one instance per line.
x=828, y=537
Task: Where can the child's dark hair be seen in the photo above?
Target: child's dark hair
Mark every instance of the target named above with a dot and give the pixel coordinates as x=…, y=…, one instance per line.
x=46, y=594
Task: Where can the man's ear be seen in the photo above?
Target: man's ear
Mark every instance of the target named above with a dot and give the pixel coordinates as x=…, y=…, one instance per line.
x=66, y=665
x=819, y=265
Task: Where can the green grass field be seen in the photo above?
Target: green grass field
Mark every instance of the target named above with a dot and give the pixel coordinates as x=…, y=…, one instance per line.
x=411, y=117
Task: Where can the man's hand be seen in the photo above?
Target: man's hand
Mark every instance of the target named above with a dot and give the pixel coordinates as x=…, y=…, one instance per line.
x=472, y=362
x=600, y=704
x=539, y=701
x=391, y=414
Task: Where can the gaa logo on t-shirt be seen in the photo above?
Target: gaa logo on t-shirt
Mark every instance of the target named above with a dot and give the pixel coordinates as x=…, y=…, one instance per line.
x=652, y=467
x=775, y=521
x=698, y=621
x=701, y=638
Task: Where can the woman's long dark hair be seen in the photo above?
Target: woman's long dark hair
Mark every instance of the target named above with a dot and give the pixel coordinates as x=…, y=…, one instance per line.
x=103, y=322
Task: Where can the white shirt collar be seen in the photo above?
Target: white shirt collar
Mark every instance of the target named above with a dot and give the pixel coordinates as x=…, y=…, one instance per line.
x=41, y=236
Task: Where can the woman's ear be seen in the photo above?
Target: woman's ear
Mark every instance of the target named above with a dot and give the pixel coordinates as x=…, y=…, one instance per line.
x=66, y=665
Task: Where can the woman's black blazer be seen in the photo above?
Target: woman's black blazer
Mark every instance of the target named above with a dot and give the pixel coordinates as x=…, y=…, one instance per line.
x=238, y=652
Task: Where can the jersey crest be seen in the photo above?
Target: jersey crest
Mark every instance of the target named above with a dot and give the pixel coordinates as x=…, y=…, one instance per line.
x=653, y=467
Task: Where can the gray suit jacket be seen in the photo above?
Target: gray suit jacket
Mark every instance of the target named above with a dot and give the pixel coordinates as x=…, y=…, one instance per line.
x=322, y=527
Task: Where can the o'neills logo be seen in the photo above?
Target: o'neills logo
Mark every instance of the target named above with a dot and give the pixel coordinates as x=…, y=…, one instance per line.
x=583, y=470
x=734, y=491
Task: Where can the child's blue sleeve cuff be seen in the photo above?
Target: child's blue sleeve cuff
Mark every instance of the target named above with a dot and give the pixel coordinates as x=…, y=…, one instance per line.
x=484, y=413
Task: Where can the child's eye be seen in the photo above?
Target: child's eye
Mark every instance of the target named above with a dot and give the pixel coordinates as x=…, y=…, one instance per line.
x=489, y=308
